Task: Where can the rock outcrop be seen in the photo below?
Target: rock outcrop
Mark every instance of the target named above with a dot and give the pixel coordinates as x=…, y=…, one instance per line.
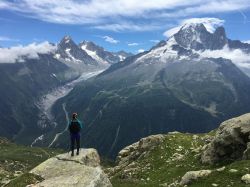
x=231, y=142
x=66, y=171
x=126, y=157
x=191, y=176
x=140, y=148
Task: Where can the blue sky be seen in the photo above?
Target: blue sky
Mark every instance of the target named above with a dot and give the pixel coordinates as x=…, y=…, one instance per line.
x=128, y=25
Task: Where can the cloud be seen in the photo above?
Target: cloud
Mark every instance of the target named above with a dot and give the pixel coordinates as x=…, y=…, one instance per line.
x=128, y=26
x=209, y=23
x=237, y=56
x=141, y=50
x=247, y=41
x=5, y=38
x=155, y=41
x=133, y=44
x=120, y=15
x=18, y=53
x=110, y=39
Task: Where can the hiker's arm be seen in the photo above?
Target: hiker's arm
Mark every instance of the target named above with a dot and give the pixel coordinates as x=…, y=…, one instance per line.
x=80, y=123
x=68, y=126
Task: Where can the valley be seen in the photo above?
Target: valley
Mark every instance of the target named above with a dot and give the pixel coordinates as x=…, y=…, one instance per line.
x=47, y=101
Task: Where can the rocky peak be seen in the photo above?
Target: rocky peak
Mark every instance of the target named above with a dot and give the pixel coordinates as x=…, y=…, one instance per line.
x=196, y=36
x=66, y=42
x=91, y=46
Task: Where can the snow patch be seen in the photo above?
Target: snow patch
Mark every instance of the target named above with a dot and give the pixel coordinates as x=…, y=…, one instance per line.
x=161, y=53
x=94, y=55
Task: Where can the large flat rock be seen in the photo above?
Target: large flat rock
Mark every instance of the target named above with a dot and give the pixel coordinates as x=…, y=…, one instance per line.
x=65, y=171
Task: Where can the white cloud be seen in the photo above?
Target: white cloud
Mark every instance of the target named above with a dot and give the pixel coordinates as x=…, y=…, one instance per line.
x=125, y=26
x=247, y=41
x=5, y=38
x=209, y=23
x=237, y=56
x=115, y=14
x=155, y=41
x=141, y=50
x=110, y=39
x=17, y=53
x=133, y=44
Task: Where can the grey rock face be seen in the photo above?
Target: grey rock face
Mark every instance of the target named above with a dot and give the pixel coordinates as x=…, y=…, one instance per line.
x=196, y=36
x=66, y=171
x=231, y=141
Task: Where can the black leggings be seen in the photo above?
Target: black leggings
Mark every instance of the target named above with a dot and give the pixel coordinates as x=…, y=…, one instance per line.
x=75, y=138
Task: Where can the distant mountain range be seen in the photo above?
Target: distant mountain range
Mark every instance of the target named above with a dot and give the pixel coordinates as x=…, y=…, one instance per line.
x=87, y=56
x=24, y=83
x=180, y=84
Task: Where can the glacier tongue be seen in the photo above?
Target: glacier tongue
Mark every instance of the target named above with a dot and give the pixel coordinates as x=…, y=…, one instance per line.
x=46, y=102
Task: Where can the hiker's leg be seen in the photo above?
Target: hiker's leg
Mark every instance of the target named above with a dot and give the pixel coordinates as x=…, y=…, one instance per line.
x=72, y=138
x=78, y=143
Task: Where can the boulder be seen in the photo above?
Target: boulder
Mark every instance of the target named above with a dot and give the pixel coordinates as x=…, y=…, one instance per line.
x=144, y=145
x=191, y=176
x=231, y=141
x=65, y=171
x=246, y=178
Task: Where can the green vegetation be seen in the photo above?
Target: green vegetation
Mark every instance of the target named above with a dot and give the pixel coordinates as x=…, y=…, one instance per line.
x=17, y=160
x=168, y=162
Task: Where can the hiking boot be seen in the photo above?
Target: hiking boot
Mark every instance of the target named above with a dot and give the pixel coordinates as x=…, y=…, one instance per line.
x=72, y=154
x=77, y=153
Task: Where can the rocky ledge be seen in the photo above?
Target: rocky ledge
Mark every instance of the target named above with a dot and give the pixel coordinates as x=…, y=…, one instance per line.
x=231, y=142
x=65, y=171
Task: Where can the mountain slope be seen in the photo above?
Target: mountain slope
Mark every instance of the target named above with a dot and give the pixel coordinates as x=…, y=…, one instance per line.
x=171, y=87
x=177, y=159
x=21, y=86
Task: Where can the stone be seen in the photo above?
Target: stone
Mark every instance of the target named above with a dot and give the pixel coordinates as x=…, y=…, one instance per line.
x=233, y=170
x=177, y=157
x=214, y=184
x=65, y=171
x=221, y=169
x=246, y=153
x=246, y=178
x=191, y=176
x=231, y=141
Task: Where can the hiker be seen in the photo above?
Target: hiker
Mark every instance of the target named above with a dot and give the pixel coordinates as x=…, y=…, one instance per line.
x=75, y=127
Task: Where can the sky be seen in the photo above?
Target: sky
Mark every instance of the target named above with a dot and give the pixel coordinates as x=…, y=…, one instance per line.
x=130, y=25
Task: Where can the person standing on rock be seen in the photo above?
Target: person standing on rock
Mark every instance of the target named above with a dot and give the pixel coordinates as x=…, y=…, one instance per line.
x=75, y=127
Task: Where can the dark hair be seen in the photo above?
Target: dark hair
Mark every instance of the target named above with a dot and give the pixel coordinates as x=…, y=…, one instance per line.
x=74, y=115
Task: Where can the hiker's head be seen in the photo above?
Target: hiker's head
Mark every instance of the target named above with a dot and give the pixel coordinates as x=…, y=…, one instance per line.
x=74, y=115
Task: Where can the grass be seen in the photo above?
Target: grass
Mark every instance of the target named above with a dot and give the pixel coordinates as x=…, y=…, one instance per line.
x=17, y=160
x=159, y=166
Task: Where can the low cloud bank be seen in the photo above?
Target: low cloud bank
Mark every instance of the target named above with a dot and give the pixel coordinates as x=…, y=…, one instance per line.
x=18, y=53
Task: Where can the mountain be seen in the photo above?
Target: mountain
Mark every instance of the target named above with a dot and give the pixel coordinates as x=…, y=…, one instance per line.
x=70, y=53
x=174, y=86
x=31, y=84
x=122, y=55
x=86, y=56
x=100, y=54
x=22, y=84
